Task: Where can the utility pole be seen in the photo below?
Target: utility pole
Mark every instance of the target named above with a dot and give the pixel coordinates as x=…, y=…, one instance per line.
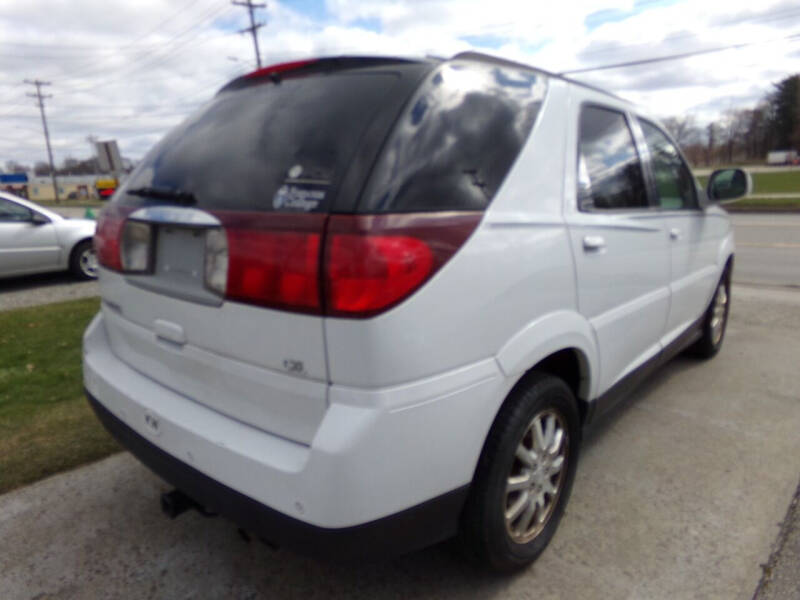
x=254, y=27
x=40, y=98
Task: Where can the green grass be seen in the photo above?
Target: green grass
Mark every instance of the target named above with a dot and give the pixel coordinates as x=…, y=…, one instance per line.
x=786, y=182
x=46, y=425
x=754, y=203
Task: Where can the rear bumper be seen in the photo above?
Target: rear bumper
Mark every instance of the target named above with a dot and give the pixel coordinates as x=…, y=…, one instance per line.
x=411, y=529
x=387, y=468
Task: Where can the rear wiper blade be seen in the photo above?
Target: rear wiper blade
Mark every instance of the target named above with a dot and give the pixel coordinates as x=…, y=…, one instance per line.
x=178, y=196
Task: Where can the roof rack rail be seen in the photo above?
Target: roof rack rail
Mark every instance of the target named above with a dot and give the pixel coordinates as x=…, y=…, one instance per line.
x=488, y=58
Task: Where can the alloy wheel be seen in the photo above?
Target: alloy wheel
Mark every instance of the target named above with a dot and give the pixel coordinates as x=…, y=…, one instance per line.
x=536, y=478
x=719, y=313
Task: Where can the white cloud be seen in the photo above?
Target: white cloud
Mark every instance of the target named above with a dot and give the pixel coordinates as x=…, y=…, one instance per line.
x=131, y=71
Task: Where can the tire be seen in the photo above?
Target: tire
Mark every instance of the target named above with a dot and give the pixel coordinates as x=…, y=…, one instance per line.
x=83, y=261
x=715, y=320
x=493, y=530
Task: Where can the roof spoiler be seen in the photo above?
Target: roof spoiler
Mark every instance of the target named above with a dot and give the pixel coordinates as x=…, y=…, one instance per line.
x=332, y=63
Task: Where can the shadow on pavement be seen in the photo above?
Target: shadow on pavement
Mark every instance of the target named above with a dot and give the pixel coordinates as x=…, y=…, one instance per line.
x=32, y=282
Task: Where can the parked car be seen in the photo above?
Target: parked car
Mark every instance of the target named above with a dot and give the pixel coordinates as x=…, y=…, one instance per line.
x=36, y=240
x=362, y=305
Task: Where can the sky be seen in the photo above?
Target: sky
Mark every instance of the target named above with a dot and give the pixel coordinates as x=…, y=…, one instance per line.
x=131, y=71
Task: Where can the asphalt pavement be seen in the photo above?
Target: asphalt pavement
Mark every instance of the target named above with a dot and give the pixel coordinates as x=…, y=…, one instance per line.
x=767, y=249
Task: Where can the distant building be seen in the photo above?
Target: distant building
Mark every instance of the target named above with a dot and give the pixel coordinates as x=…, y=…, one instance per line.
x=69, y=187
x=14, y=183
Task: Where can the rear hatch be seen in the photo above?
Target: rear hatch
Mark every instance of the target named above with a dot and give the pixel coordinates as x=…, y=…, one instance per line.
x=330, y=190
x=240, y=194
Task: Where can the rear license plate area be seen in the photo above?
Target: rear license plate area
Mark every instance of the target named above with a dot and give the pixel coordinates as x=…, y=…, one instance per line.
x=179, y=265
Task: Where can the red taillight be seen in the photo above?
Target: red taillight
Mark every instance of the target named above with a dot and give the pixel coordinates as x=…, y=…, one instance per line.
x=107, y=235
x=374, y=262
x=273, y=259
x=353, y=266
x=367, y=273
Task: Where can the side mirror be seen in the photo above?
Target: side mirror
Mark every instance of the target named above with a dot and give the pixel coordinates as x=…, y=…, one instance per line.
x=39, y=218
x=727, y=185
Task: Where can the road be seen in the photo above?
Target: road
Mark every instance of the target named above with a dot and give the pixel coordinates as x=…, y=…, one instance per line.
x=767, y=248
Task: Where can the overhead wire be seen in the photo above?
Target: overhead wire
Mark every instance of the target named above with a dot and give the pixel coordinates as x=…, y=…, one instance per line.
x=152, y=56
x=145, y=60
x=680, y=56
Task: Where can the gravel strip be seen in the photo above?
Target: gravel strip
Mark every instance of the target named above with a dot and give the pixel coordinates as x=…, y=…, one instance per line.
x=34, y=290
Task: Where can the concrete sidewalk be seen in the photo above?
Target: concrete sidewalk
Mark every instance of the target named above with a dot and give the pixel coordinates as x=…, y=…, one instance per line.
x=680, y=494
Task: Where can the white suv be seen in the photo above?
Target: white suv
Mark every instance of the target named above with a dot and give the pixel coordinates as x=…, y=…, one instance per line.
x=359, y=305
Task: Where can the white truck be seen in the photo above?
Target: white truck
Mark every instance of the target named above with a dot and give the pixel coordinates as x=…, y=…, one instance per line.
x=782, y=157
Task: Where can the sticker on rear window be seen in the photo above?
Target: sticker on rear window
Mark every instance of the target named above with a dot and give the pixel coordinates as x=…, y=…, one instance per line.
x=302, y=197
x=304, y=190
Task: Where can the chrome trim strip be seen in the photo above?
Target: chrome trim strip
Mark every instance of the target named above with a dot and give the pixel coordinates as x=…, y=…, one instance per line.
x=175, y=215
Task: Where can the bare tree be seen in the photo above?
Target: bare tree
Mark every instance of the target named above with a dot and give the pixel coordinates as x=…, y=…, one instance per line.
x=13, y=166
x=41, y=169
x=683, y=129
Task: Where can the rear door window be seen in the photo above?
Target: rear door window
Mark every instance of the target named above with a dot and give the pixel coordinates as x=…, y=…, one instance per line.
x=674, y=182
x=609, y=170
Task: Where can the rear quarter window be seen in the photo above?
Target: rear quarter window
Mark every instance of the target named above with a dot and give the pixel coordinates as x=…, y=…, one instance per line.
x=456, y=140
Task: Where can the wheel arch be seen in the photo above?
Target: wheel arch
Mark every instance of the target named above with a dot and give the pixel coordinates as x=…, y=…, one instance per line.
x=562, y=344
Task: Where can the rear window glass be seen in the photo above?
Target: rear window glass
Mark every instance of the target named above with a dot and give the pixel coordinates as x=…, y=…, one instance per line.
x=274, y=146
x=457, y=139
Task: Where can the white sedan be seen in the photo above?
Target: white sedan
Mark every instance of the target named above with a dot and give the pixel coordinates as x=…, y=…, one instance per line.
x=36, y=240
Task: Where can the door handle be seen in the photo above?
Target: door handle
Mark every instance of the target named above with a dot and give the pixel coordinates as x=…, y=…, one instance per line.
x=674, y=234
x=593, y=243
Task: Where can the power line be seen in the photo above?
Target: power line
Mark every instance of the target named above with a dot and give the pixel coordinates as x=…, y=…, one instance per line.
x=617, y=48
x=151, y=57
x=254, y=27
x=647, y=61
x=40, y=99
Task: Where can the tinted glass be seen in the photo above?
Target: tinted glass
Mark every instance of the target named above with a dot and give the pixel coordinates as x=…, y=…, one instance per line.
x=609, y=170
x=11, y=211
x=674, y=182
x=457, y=140
x=274, y=146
